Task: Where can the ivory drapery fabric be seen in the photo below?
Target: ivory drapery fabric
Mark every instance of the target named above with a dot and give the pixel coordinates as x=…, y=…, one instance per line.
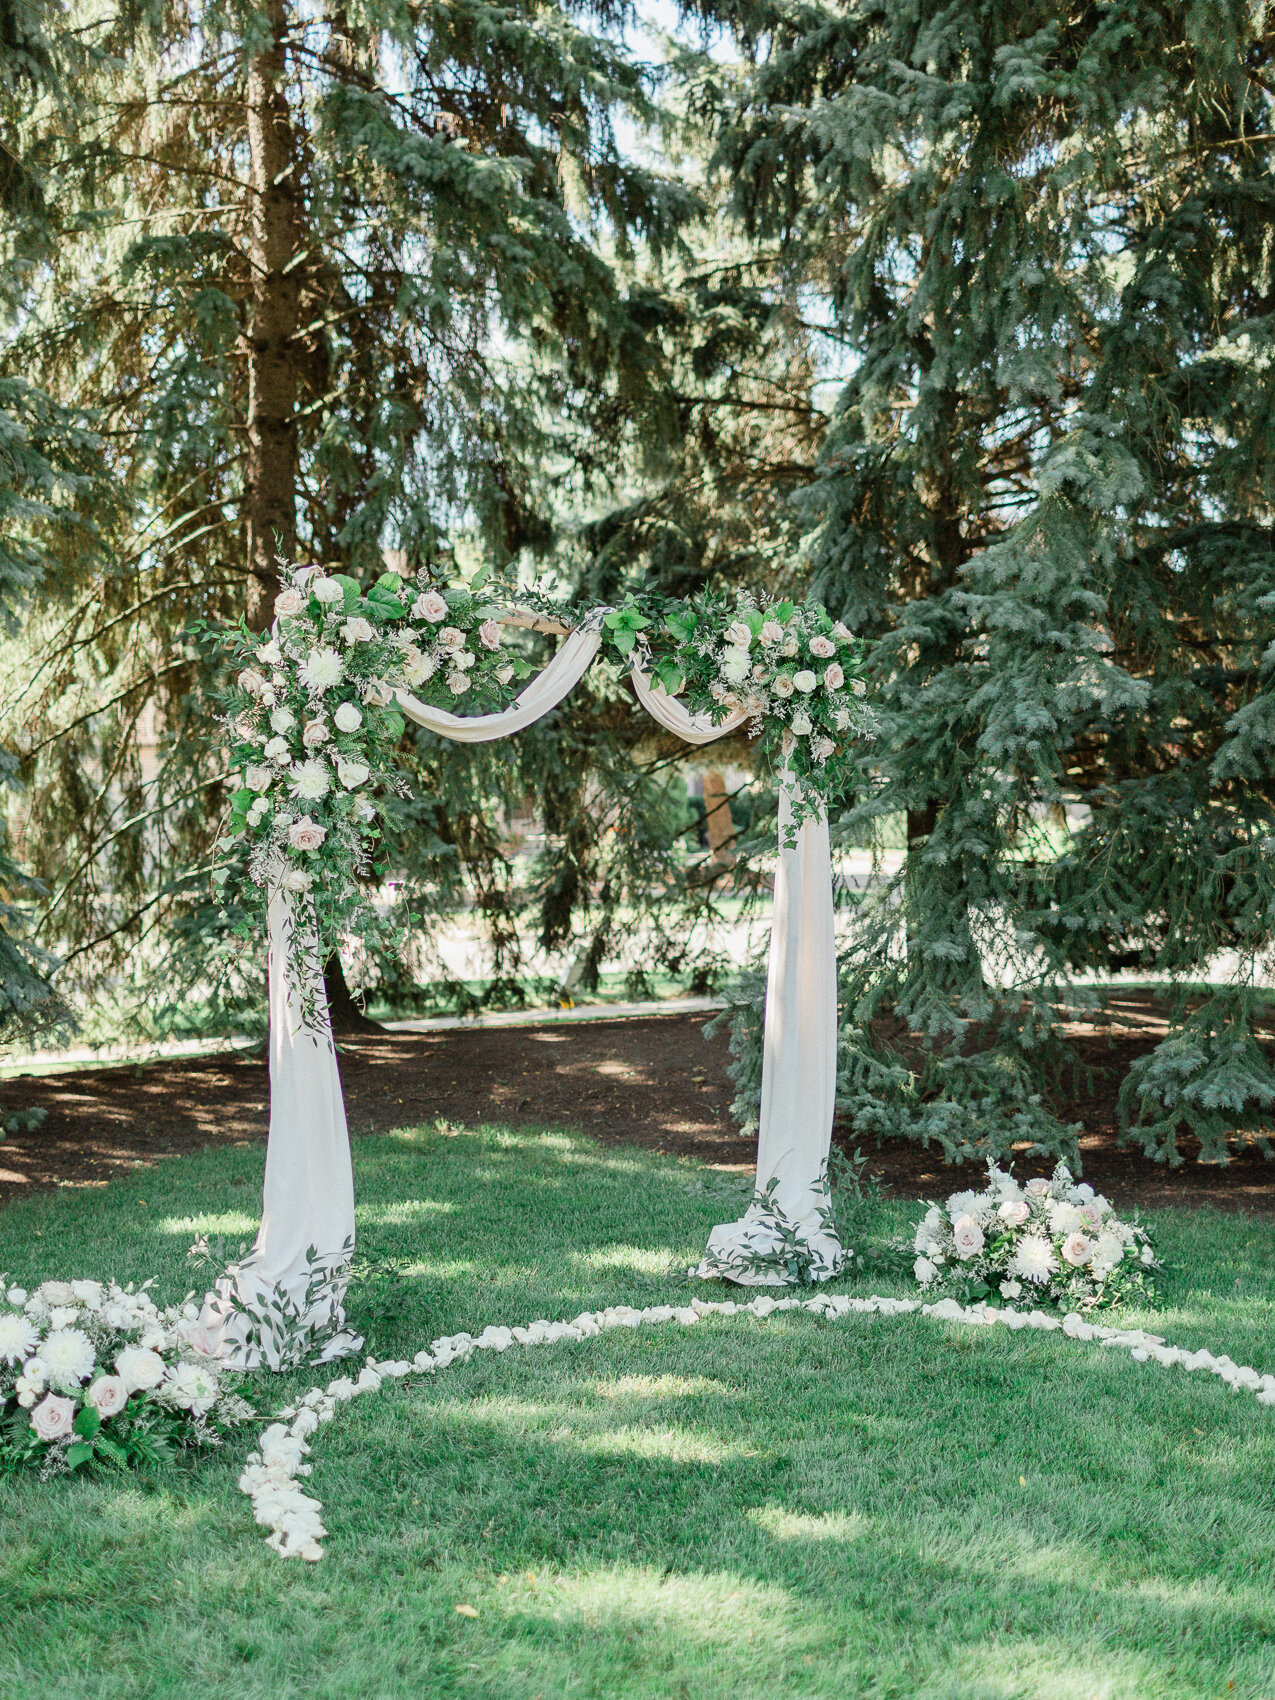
x=799, y=1053
x=307, y=1216
x=544, y=692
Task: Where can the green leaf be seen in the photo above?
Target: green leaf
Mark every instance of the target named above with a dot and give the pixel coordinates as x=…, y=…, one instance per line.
x=87, y=1421
x=78, y=1454
x=389, y=584
x=393, y=723
x=623, y=640
x=242, y=800
x=349, y=585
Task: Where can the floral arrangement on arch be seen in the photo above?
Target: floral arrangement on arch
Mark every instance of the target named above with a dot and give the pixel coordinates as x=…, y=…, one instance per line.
x=96, y=1372
x=796, y=672
x=1055, y=1241
x=313, y=728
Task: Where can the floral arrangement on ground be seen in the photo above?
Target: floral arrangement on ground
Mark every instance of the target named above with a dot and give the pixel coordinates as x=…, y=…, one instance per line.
x=792, y=669
x=98, y=1373
x=1054, y=1240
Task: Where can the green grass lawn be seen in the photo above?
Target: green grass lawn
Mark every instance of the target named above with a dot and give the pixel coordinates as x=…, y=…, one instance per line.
x=769, y=1509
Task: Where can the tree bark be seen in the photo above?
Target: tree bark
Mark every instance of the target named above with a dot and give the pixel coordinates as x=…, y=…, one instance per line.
x=274, y=317
x=344, y=1010
x=717, y=818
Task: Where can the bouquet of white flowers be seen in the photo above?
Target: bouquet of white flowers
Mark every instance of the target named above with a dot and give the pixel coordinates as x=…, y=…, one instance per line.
x=98, y=1371
x=1052, y=1241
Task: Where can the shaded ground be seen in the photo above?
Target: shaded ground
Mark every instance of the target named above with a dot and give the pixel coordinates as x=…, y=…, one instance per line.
x=654, y=1081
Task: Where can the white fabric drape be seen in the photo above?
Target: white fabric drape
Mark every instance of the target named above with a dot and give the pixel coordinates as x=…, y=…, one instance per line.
x=799, y=1054
x=545, y=691
x=308, y=1196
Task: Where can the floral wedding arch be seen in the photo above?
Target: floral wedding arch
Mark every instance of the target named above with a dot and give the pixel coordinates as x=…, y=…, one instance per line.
x=315, y=717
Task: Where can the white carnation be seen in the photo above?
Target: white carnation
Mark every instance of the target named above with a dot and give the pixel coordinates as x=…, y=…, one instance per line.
x=925, y=1271
x=192, y=1386
x=327, y=590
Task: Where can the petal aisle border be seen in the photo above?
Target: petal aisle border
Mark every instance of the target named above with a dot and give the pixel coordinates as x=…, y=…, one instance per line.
x=294, y=1517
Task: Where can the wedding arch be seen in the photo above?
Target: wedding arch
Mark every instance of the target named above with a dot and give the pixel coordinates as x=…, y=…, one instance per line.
x=314, y=718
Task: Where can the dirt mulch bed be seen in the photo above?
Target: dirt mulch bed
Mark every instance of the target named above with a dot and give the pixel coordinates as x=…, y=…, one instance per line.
x=652, y=1081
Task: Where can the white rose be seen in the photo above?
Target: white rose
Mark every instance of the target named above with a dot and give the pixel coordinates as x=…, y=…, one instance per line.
x=782, y=686
x=348, y=718
x=258, y=778
x=270, y=654
x=257, y=811
x=108, y=1396
x=297, y=879
x=489, y=634
x=352, y=774
x=52, y=1419
x=822, y=646
x=316, y=733
x=252, y=683
x=306, y=835
x=802, y=723
x=1014, y=1212
x=451, y=637
x=430, y=607
x=738, y=635
x=859, y=687
x=805, y=680
x=790, y=645
x=834, y=677
x=458, y=683
x=1076, y=1250
x=358, y=630
x=967, y=1237
x=282, y=720
x=464, y=658
x=842, y=632
x=925, y=1271
x=327, y=591
x=288, y=602
x=821, y=748
x=772, y=632
x=139, y=1369
x=504, y=674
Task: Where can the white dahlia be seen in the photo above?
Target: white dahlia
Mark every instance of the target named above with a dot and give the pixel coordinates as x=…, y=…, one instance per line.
x=311, y=780
x=68, y=1358
x=322, y=669
x=18, y=1337
x=192, y=1386
x=1034, y=1260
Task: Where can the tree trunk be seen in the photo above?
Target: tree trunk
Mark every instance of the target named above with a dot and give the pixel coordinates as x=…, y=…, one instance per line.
x=271, y=470
x=344, y=1010
x=721, y=829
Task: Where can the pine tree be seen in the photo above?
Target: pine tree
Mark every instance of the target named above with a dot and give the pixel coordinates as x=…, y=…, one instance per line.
x=1046, y=240
x=47, y=477
x=324, y=283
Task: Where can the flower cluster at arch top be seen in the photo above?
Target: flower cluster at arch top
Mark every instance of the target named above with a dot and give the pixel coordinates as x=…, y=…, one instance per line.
x=794, y=671
x=314, y=725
